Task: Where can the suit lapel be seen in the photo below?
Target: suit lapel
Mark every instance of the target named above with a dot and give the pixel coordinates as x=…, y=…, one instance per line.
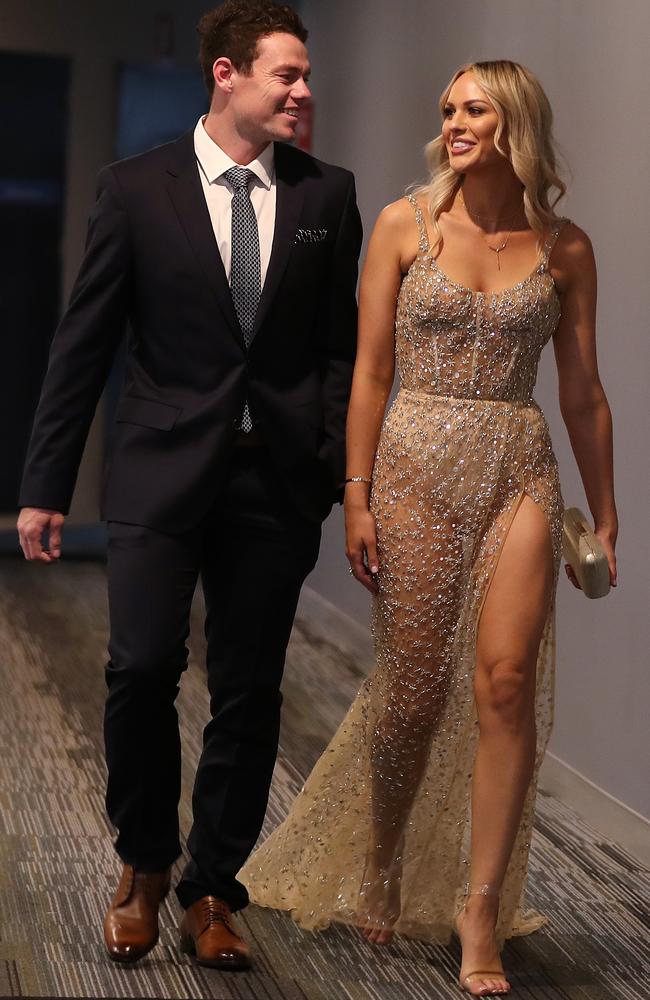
x=187, y=197
x=288, y=205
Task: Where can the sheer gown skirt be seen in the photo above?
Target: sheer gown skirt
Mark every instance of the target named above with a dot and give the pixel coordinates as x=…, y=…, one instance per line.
x=380, y=833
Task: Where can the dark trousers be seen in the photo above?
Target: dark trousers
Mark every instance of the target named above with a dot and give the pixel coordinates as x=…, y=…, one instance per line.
x=253, y=552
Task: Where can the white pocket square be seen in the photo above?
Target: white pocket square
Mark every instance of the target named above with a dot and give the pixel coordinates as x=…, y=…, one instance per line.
x=310, y=236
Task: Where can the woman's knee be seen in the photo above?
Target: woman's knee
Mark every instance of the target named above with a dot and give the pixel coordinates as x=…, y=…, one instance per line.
x=409, y=723
x=505, y=691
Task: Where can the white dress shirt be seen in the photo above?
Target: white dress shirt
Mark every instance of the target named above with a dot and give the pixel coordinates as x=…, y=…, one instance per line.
x=212, y=164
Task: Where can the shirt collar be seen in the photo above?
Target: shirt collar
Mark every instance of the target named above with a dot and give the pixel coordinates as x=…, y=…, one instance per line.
x=214, y=162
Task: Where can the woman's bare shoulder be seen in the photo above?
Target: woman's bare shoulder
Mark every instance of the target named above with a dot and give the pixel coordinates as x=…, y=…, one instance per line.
x=397, y=217
x=573, y=254
x=573, y=242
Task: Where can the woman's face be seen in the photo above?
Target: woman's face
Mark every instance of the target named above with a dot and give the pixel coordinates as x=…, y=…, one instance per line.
x=469, y=126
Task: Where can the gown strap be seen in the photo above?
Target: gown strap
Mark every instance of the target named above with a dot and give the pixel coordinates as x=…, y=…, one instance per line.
x=423, y=244
x=550, y=241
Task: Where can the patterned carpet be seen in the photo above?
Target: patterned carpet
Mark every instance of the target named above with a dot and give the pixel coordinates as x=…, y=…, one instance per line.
x=58, y=868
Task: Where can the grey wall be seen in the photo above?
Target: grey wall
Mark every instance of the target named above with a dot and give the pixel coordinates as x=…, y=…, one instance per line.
x=378, y=70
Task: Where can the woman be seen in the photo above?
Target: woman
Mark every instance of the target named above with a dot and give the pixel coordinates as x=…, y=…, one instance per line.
x=417, y=818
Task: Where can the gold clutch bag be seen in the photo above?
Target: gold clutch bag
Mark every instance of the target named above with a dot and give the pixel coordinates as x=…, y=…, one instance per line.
x=585, y=554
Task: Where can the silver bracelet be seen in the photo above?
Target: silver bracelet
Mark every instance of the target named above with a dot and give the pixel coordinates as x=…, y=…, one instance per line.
x=357, y=479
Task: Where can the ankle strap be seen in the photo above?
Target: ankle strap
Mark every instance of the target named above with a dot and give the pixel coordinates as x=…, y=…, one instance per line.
x=481, y=890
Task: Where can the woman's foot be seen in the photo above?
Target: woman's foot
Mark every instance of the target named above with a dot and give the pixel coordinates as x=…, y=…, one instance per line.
x=379, y=900
x=481, y=972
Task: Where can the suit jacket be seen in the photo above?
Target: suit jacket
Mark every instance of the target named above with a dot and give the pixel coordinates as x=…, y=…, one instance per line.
x=151, y=260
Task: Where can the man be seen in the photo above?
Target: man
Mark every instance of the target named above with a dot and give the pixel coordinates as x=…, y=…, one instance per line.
x=234, y=258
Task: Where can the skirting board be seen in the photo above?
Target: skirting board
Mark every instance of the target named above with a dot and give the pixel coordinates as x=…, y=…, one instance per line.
x=605, y=814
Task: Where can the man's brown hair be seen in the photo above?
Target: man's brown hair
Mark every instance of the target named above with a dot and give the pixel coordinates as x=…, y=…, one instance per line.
x=235, y=27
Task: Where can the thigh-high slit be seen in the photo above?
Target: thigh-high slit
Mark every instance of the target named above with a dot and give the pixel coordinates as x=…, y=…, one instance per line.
x=380, y=833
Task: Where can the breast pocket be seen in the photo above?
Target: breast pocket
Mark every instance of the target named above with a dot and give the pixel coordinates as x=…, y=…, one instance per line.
x=147, y=413
x=310, y=237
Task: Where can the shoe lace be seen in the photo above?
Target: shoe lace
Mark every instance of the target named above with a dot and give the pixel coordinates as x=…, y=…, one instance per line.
x=216, y=912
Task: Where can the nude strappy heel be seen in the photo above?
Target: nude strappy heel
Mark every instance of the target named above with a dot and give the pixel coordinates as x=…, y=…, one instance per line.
x=466, y=980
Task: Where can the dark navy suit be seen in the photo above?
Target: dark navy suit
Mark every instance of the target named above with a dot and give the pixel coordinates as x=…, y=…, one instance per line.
x=183, y=497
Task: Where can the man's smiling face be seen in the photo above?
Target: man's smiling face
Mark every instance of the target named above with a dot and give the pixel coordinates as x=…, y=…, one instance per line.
x=265, y=104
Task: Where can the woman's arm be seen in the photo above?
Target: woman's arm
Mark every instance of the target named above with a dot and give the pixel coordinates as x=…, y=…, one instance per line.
x=373, y=377
x=583, y=403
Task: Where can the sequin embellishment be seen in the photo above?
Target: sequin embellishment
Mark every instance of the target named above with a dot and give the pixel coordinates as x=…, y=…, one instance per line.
x=381, y=828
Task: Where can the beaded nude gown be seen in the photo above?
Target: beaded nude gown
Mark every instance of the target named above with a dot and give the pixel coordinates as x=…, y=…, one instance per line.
x=379, y=835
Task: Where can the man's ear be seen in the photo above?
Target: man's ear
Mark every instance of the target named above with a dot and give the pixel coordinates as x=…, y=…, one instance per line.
x=222, y=71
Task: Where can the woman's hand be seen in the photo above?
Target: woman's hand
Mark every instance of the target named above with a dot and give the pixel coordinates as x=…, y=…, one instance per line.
x=607, y=538
x=361, y=544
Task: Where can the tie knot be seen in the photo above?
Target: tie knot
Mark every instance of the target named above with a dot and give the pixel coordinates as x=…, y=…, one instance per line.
x=239, y=178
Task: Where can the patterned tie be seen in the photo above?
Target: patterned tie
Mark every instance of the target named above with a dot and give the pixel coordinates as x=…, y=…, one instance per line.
x=245, y=271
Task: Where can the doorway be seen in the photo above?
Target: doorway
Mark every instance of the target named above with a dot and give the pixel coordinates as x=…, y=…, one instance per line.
x=34, y=115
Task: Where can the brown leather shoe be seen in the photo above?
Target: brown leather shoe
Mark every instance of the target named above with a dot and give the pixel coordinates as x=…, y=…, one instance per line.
x=207, y=932
x=131, y=923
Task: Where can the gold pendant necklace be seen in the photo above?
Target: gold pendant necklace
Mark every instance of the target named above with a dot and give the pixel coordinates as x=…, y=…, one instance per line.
x=497, y=250
x=481, y=218
x=484, y=218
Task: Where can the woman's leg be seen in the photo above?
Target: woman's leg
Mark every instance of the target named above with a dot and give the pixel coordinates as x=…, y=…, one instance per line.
x=418, y=609
x=509, y=634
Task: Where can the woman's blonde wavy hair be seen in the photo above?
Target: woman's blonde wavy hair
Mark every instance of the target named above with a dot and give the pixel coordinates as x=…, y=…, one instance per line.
x=523, y=136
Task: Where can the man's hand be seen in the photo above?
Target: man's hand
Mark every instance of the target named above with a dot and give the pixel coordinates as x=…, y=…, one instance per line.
x=32, y=522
